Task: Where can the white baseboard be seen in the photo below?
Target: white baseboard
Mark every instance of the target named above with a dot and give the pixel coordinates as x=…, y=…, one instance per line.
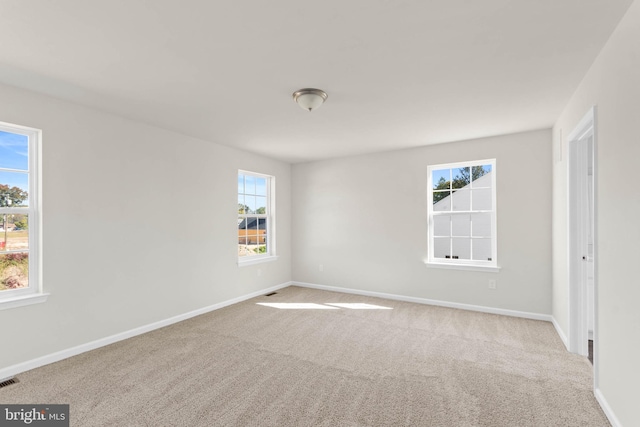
x=560, y=332
x=606, y=408
x=12, y=371
x=482, y=309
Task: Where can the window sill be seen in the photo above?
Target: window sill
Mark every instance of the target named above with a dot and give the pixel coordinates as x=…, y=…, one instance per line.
x=485, y=269
x=22, y=301
x=256, y=260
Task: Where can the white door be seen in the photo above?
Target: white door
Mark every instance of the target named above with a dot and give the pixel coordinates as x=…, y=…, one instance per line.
x=588, y=231
x=582, y=238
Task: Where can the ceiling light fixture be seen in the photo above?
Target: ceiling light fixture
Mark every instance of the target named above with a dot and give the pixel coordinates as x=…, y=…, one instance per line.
x=309, y=98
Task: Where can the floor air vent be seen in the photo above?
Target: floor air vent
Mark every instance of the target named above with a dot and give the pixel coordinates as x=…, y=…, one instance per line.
x=272, y=293
x=8, y=382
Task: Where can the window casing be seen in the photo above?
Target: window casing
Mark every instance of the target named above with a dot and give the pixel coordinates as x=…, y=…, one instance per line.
x=20, y=280
x=462, y=214
x=256, y=217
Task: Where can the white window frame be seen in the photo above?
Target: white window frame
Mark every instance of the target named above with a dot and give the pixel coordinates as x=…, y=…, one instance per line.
x=34, y=293
x=270, y=218
x=462, y=264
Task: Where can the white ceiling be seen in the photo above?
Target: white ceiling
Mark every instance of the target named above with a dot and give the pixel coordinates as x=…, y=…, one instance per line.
x=399, y=73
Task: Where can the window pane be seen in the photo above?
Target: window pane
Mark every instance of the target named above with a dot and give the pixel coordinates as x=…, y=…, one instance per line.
x=261, y=186
x=14, y=232
x=461, y=225
x=242, y=207
x=252, y=234
x=242, y=228
x=482, y=200
x=482, y=249
x=460, y=178
x=442, y=201
x=442, y=225
x=261, y=237
x=461, y=248
x=14, y=189
x=14, y=151
x=250, y=201
x=240, y=184
x=261, y=205
x=441, y=179
x=262, y=225
x=441, y=247
x=242, y=237
x=461, y=200
x=250, y=184
x=481, y=225
x=14, y=271
x=481, y=176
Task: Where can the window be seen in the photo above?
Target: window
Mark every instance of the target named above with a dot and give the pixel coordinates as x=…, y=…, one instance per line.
x=256, y=230
x=462, y=215
x=20, y=282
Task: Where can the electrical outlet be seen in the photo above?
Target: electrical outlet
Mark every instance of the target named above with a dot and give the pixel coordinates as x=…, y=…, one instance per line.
x=321, y=267
x=492, y=284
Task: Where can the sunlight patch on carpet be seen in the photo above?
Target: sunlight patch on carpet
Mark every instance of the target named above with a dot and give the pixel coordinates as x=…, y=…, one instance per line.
x=297, y=306
x=359, y=306
x=326, y=306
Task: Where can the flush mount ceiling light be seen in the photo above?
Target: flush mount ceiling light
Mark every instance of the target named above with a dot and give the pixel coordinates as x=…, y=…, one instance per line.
x=309, y=98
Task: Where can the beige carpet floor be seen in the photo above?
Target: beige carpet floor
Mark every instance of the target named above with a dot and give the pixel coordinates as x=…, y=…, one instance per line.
x=256, y=365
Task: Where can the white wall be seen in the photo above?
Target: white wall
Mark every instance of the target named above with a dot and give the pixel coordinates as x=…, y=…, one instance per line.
x=139, y=225
x=613, y=85
x=364, y=219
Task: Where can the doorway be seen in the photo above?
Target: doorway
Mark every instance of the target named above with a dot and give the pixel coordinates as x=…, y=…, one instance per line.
x=582, y=238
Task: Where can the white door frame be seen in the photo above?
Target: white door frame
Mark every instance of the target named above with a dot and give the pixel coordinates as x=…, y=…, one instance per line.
x=578, y=161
